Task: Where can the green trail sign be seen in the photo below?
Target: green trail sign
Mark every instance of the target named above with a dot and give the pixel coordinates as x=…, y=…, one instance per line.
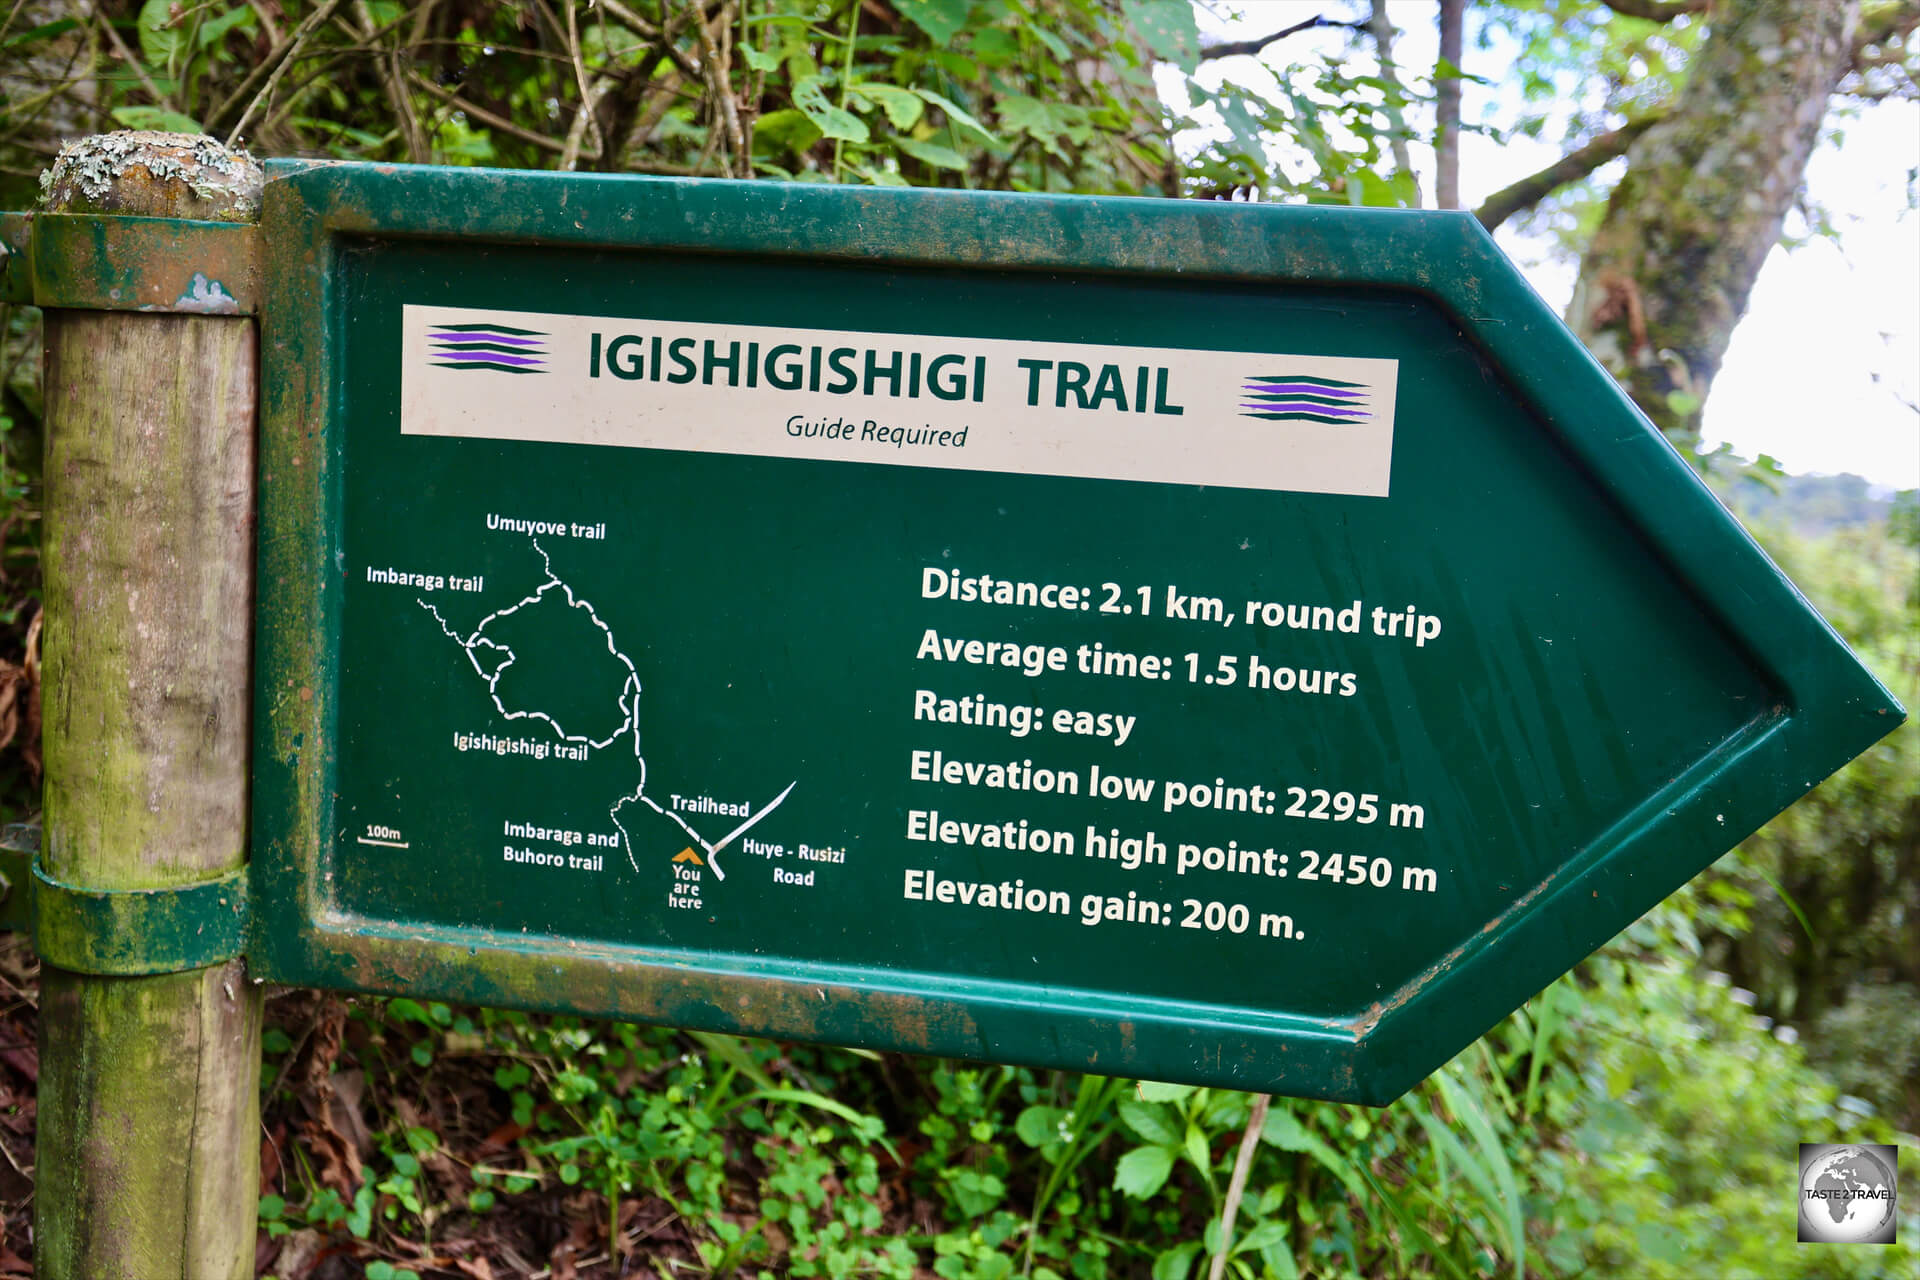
x=1243, y=645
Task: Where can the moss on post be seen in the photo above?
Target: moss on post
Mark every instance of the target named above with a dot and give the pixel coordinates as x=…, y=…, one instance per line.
x=148, y=1122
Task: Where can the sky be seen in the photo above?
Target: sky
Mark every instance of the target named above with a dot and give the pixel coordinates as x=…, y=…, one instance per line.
x=1840, y=320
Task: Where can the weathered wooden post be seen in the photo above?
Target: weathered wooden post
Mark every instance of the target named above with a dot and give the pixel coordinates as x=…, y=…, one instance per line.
x=149, y=1114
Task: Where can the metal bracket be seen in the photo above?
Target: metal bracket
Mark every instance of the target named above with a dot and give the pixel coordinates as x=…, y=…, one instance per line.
x=124, y=932
x=95, y=262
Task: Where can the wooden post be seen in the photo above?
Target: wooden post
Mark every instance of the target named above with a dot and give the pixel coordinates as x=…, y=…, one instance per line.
x=149, y=1128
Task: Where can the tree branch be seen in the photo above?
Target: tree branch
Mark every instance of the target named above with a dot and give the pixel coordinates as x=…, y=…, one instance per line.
x=1238, y=48
x=1237, y=1184
x=269, y=69
x=387, y=68
x=493, y=121
x=1657, y=10
x=1573, y=166
x=138, y=67
x=1381, y=28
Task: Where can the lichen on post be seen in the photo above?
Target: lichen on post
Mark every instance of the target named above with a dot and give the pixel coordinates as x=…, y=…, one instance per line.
x=149, y=1116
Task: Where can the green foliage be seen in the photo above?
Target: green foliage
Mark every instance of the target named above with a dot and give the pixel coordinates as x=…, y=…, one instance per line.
x=1033, y=95
x=1806, y=505
x=808, y=1162
x=1682, y=1118
x=1834, y=883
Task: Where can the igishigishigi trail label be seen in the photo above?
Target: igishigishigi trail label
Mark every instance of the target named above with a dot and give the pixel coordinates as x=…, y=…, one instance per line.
x=1249, y=646
x=1263, y=420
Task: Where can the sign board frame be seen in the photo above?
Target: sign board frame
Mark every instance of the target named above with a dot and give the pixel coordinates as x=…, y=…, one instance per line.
x=1827, y=708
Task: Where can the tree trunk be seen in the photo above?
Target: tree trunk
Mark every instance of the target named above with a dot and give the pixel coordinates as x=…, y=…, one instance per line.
x=1380, y=27
x=1446, y=134
x=1667, y=275
x=149, y=1122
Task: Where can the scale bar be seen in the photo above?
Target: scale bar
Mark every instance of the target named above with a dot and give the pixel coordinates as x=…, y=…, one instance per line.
x=384, y=844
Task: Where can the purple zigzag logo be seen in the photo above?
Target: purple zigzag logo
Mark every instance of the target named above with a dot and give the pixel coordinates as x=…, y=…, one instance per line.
x=1298, y=397
x=488, y=346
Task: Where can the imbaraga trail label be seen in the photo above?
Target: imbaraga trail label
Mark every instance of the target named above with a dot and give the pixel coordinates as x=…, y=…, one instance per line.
x=1176, y=659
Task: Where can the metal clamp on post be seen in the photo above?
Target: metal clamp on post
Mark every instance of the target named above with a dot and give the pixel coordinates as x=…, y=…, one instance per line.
x=93, y=262
x=122, y=932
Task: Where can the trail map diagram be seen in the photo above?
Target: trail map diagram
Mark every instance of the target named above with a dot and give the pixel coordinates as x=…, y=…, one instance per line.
x=493, y=660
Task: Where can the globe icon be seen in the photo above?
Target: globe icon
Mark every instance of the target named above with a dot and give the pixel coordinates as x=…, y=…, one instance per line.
x=1846, y=1196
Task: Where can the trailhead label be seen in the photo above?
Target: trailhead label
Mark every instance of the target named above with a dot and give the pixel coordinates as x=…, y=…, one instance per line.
x=1237, y=419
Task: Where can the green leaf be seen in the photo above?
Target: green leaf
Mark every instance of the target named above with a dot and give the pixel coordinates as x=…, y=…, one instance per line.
x=1468, y=1110
x=1422, y=1239
x=45, y=31
x=1176, y=1262
x=1152, y=1092
x=1264, y=1235
x=1168, y=28
x=810, y=97
x=957, y=114
x=732, y=1050
x=903, y=106
x=1055, y=45
x=1041, y=121
x=940, y=19
x=786, y=130
x=1037, y=1126
x=994, y=47
x=759, y=61
x=870, y=1127
x=1284, y=1130
x=1661, y=1241
x=932, y=153
x=1197, y=1148
x=271, y=1207
x=880, y=177
x=1143, y=1171
x=1151, y=1121
x=161, y=40
x=156, y=118
x=360, y=1217
x=214, y=29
